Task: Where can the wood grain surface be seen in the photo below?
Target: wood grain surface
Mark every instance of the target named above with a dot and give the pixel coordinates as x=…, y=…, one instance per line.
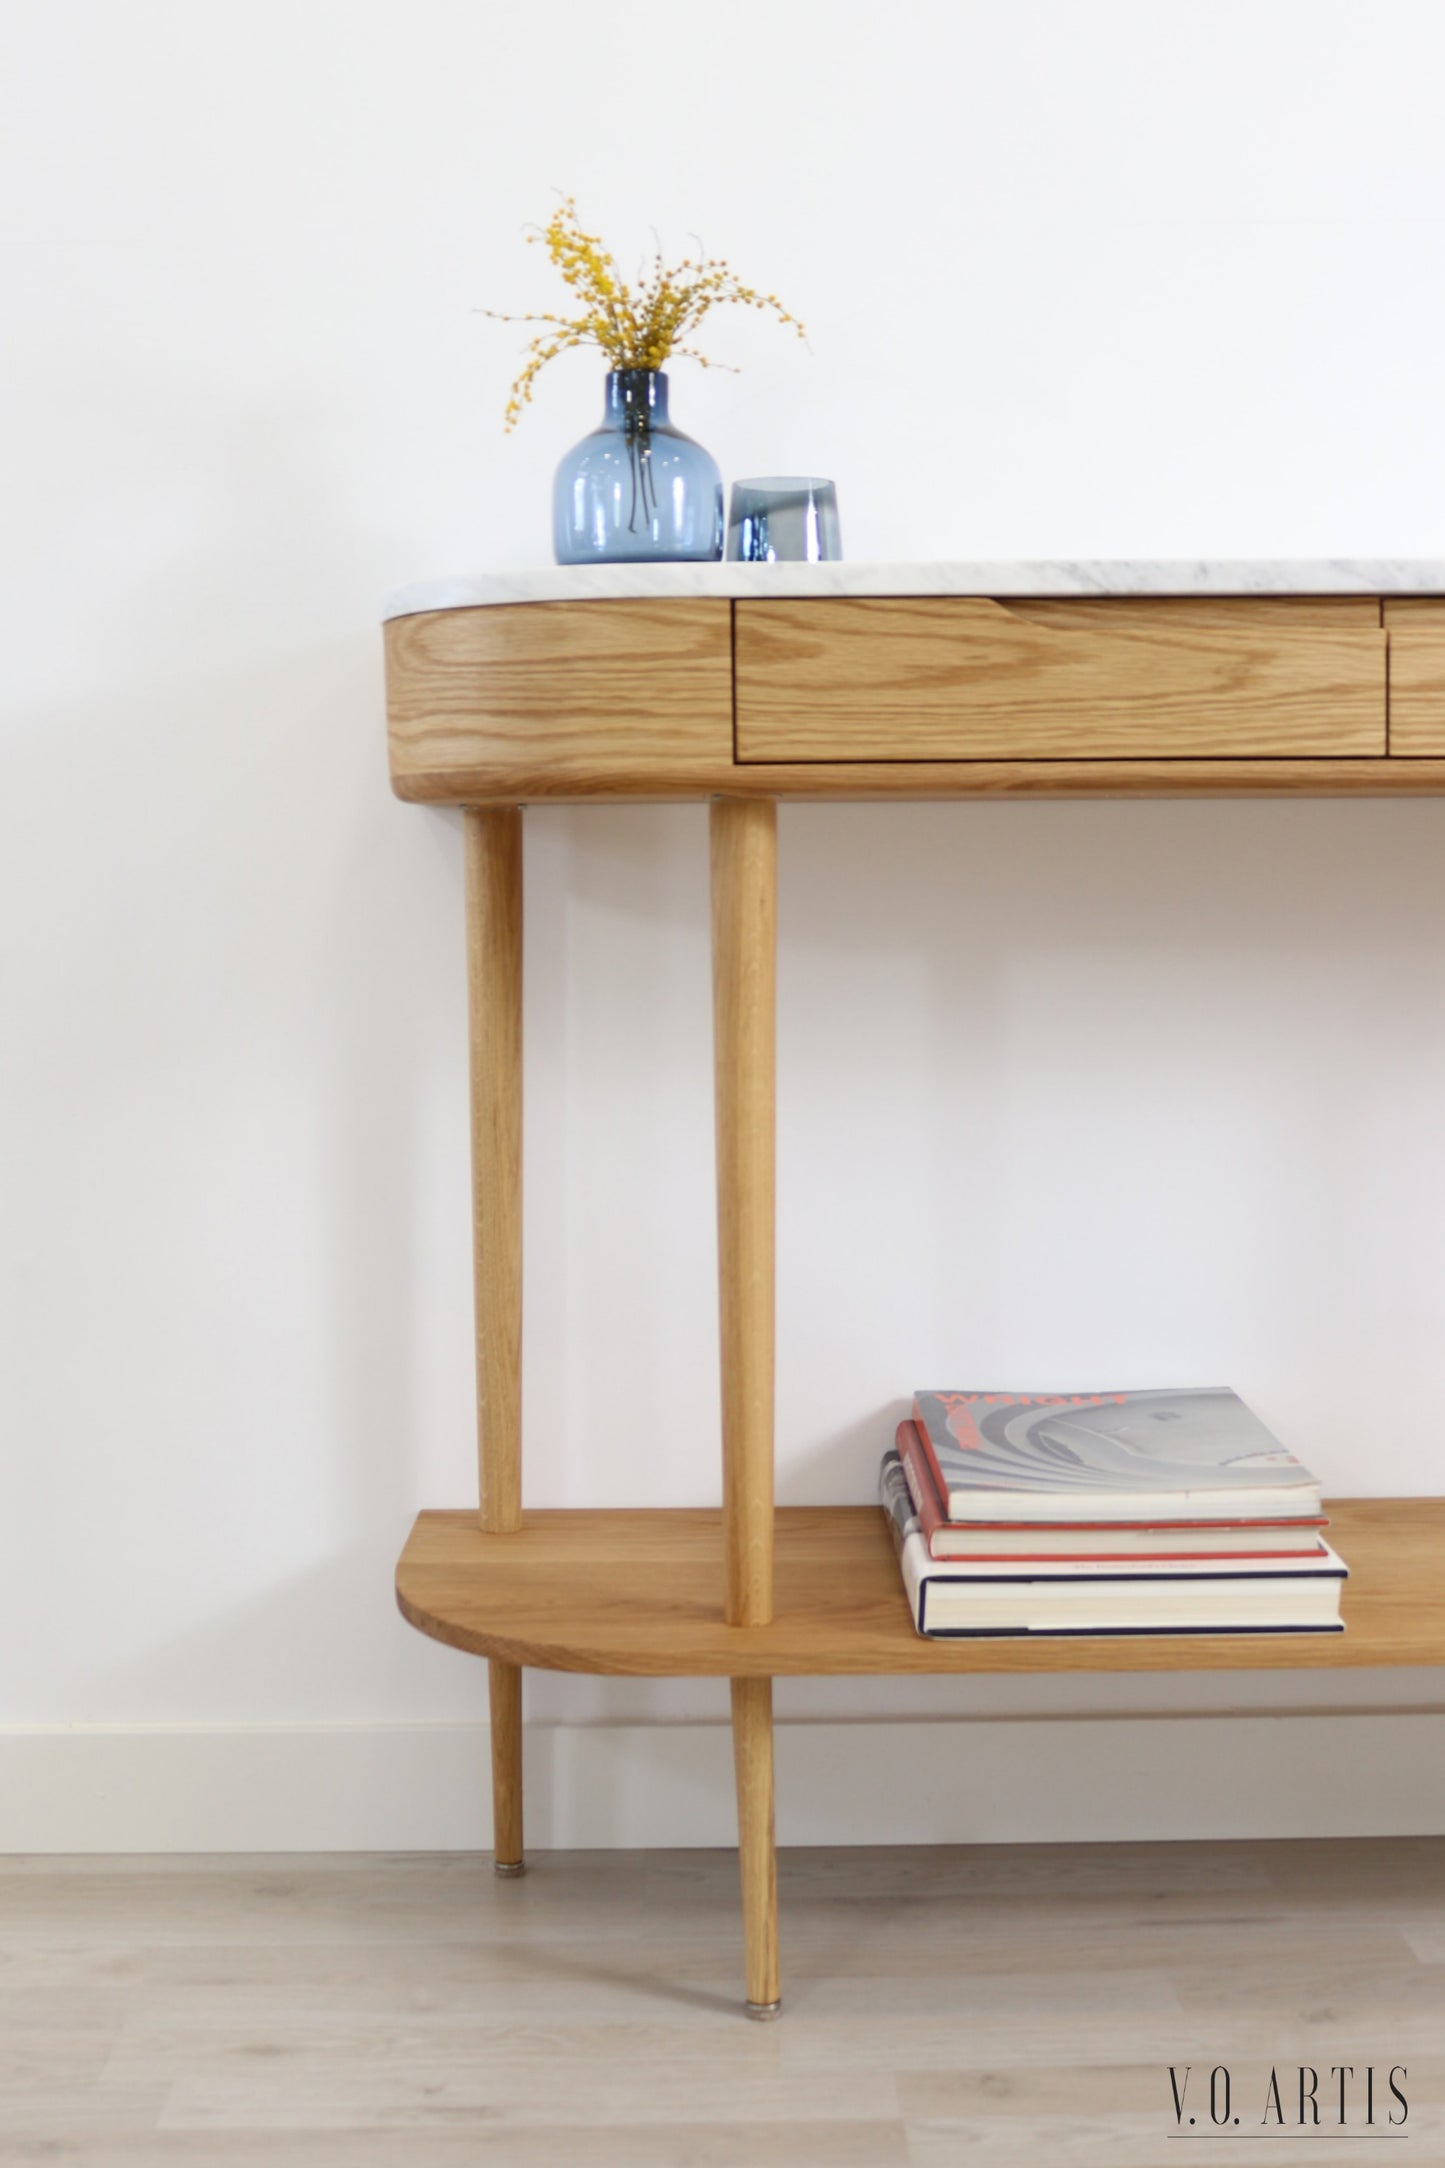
x=505, y=1706
x=1004, y=2006
x=493, y=868
x=641, y=1593
x=578, y=702
x=752, y=1720
x=744, y=852
x=958, y=678
x=902, y=781
x=1416, y=632
x=540, y=699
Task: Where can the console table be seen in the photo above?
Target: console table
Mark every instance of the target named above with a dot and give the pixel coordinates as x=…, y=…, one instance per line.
x=744, y=685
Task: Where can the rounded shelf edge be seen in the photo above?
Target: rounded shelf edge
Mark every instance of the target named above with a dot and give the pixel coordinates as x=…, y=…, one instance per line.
x=640, y=1594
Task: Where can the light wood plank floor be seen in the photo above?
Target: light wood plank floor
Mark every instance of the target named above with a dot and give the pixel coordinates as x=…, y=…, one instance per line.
x=981, y=2005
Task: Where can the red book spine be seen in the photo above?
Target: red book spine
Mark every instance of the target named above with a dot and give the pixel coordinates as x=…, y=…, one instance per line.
x=920, y=1471
x=925, y=1446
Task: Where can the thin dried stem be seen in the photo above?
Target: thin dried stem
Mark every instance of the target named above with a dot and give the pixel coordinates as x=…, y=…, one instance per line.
x=636, y=327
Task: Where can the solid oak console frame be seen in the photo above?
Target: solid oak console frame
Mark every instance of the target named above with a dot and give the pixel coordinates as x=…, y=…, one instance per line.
x=744, y=702
x=944, y=696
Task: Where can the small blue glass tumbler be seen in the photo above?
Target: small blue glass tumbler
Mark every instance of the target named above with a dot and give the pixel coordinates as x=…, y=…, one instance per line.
x=784, y=519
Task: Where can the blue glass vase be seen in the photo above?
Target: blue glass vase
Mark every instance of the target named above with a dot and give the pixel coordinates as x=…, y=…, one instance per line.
x=637, y=491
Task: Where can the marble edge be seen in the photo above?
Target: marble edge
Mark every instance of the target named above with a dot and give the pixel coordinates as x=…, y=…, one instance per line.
x=1044, y=578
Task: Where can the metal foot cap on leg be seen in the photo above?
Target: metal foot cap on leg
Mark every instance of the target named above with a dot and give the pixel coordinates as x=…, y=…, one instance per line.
x=509, y=1869
x=762, y=2011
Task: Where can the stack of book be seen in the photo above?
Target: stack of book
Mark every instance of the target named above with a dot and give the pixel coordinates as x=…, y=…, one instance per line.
x=1105, y=1513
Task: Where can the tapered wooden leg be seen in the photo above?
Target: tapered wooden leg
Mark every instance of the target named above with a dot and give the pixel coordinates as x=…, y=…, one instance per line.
x=494, y=984
x=753, y=1761
x=506, y=1697
x=744, y=962
x=744, y=952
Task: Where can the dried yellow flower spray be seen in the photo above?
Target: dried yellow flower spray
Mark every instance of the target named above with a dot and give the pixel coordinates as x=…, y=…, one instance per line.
x=637, y=327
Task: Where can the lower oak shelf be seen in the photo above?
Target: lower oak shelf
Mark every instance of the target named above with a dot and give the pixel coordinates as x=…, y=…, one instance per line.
x=640, y=1594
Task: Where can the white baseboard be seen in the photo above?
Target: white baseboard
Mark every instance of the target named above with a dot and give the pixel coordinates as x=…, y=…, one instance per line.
x=424, y=1787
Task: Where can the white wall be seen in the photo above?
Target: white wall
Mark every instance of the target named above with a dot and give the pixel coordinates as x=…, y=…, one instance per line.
x=1132, y=1093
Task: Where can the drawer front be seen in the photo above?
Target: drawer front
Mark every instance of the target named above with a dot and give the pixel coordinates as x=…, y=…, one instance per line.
x=1417, y=676
x=955, y=678
x=560, y=699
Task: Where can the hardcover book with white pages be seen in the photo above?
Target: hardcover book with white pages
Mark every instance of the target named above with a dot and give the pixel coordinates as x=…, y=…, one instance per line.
x=1188, y=1454
x=1104, y=1596
x=1163, y=1537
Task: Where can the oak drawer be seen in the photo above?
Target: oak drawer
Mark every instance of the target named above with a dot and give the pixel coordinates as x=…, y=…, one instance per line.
x=1417, y=675
x=954, y=678
x=549, y=699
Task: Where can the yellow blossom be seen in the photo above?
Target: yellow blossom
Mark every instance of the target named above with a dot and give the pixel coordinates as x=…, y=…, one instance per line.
x=635, y=329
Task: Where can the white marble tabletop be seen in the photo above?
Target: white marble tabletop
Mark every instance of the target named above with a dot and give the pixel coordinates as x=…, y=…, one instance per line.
x=1052, y=576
